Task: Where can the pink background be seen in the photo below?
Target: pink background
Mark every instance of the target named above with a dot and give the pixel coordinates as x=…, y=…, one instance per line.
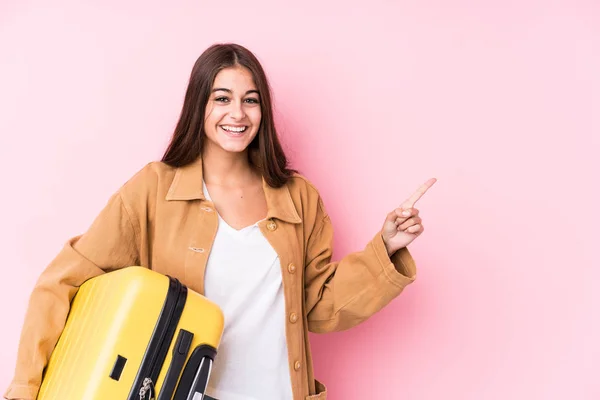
x=500, y=100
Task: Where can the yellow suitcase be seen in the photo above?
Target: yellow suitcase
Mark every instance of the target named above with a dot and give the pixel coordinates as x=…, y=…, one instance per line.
x=134, y=334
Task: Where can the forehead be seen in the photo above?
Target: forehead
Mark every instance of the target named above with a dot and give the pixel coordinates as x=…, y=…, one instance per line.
x=236, y=78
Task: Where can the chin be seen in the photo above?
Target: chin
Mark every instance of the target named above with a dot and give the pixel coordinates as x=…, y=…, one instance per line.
x=234, y=149
x=237, y=145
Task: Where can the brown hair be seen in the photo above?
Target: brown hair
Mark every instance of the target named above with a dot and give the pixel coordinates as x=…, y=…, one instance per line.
x=265, y=151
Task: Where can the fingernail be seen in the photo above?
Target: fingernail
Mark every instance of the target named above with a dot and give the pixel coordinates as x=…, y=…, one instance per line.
x=406, y=213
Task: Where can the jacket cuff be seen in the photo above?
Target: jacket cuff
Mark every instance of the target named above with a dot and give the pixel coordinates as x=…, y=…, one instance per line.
x=400, y=269
x=16, y=391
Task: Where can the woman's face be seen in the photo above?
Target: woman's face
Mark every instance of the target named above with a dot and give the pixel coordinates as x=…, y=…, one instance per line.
x=233, y=113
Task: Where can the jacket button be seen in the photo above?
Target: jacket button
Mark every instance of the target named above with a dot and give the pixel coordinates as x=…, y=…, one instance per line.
x=207, y=209
x=297, y=365
x=293, y=317
x=271, y=226
x=291, y=268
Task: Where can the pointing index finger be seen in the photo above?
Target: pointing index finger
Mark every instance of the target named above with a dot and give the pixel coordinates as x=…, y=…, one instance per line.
x=410, y=203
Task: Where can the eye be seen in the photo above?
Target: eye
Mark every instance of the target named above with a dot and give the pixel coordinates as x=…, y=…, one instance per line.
x=222, y=99
x=252, y=101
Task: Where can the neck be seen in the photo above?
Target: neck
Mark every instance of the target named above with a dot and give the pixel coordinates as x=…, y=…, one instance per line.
x=227, y=169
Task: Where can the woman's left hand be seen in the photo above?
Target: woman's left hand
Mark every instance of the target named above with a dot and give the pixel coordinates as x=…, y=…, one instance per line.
x=403, y=225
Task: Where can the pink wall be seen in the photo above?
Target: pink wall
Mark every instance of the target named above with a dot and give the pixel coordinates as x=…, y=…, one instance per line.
x=500, y=100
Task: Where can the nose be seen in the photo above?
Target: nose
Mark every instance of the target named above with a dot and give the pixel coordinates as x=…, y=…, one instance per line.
x=237, y=111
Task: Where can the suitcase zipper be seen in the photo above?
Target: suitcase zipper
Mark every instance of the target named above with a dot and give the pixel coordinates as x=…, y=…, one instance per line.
x=160, y=341
x=147, y=387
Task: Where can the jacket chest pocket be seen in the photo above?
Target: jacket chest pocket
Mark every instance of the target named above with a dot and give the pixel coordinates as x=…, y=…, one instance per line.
x=183, y=241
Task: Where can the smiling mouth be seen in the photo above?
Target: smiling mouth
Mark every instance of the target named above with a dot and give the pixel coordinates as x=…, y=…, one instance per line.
x=233, y=130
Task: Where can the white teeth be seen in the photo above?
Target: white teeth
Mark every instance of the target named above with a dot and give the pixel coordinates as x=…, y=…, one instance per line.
x=234, y=128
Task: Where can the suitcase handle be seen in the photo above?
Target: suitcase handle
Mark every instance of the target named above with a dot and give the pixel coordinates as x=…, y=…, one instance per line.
x=180, y=352
x=196, y=373
x=200, y=380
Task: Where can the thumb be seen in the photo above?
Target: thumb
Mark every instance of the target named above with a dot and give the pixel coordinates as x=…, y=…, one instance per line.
x=391, y=217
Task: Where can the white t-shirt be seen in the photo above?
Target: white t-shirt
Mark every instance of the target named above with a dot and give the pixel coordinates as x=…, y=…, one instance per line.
x=243, y=276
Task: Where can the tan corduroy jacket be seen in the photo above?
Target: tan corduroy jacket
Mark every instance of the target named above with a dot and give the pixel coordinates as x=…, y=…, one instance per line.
x=160, y=219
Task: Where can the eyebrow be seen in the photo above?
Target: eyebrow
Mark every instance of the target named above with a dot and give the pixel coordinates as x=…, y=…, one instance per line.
x=229, y=91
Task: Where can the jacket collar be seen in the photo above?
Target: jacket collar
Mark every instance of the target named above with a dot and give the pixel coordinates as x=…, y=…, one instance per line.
x=187, y=185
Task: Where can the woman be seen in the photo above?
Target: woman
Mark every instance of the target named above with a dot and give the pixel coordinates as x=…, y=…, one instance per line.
x=224, y=213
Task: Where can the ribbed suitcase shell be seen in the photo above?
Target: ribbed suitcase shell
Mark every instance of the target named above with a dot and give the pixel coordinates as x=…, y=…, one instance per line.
x=116, y=314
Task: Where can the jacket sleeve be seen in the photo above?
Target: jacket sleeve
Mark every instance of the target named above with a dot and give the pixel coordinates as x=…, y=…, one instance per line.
x=340, y=295
x=111, y=242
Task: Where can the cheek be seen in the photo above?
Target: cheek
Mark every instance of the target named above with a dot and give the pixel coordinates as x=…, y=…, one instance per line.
x=211, y=120
x=213, y=115
x=255, y=117
x=208, y=115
